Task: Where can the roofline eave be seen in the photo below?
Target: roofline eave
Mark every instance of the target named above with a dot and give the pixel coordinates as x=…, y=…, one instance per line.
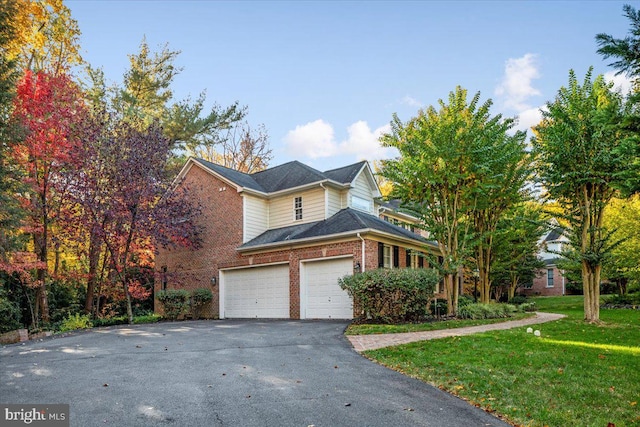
x=354, y=233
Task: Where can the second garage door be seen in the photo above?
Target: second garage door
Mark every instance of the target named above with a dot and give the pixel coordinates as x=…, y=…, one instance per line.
x=322, y=297
x=258, y=292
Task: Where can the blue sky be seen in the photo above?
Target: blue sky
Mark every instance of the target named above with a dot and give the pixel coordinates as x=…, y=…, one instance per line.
x=326, y=77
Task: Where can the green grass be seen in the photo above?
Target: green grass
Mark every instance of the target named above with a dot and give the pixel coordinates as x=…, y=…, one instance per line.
x=575, y=374
x=368, y=329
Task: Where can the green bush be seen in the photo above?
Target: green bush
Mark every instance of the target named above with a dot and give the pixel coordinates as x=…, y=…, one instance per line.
x=110, y=321
x=149, y=318
x=486, y=311
x=528, y=306
x=9, y=314
x=518, y=299
x=621, y=300
x=75, y=321
x=199, y=298
x=438, y=307
x=392, y=295
x=464, y=300
x=174, y=301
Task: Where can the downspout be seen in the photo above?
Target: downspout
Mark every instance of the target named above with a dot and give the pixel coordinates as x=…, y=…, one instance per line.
x=562, y=274
x=326, y=200
x=363, y=257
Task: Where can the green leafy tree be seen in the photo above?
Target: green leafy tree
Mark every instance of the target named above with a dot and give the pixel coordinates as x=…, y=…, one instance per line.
x=626, y=51
x=501, y=172
x=10, y=213
x=581, y=165
x=146, y=97
x=623, y=218
x=445, y=169
x=515, y=259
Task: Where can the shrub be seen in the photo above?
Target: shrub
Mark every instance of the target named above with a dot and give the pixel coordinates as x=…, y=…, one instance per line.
x=9, y=314
x=110, y=321
x=174, y=301
x=528, y=306
x=199, y=298
x=75, y=321
x=486, y=311
x=149, y=318
x=621, y=300
x=518, y=299
x=464, y=300
x=392, y=295
x=438, y=307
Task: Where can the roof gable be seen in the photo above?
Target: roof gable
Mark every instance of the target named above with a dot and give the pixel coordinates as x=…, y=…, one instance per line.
x=289, y=175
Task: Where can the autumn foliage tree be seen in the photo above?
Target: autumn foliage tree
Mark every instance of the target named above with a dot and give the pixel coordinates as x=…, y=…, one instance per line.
x=122, y=189
x=48, y=108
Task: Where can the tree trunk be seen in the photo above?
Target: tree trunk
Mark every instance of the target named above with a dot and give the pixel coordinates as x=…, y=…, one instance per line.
x=94, y=260
x=513, y=285
x=42, y=303
x=449, y=286
x=591, y=287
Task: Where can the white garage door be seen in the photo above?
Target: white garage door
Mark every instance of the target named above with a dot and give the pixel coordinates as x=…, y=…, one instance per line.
x=258, y=292
x=322, y=296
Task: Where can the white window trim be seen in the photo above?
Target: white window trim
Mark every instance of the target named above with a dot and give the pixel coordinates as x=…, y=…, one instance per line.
x=296, y=208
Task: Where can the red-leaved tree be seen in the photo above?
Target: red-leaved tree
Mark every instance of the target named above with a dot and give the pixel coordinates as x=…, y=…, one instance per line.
x=49, y=109
x=123, y=193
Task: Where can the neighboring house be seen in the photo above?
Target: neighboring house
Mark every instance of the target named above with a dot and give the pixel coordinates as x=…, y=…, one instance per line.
x=550, y=280
x=276, y=241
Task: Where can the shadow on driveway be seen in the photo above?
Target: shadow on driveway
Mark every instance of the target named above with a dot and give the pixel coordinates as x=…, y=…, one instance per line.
x=223, y=373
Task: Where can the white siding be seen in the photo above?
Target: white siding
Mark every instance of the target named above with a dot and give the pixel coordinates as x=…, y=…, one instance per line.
x=335, y=202
x=362, y=190
x=281, y=209
x=256, y=217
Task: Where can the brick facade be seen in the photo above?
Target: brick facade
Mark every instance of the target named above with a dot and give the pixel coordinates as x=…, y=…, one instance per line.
x=222, y=219
x=543, y=286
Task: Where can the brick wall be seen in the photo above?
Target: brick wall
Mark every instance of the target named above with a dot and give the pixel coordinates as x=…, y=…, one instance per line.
x=222, y=219
x=540, y=283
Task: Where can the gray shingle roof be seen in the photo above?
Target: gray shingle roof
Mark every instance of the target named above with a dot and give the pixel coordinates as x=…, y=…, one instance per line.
x=554, y=234
x=344, y=221
x=288, y=175
x=346, y=174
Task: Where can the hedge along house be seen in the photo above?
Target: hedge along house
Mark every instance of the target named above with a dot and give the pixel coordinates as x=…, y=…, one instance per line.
x=276, y=241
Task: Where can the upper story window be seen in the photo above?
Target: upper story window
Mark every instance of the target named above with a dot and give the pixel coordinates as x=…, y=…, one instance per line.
x=297, y=208
x=361, y=204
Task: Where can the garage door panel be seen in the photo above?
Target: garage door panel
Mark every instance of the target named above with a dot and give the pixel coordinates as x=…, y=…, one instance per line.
x=324, y=299
x=258, y=292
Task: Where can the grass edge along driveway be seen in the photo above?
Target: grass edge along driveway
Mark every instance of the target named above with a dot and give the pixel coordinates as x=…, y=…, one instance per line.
x=574, y=374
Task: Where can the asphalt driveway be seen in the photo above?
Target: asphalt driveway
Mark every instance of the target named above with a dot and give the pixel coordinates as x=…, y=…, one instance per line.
x=223, y=373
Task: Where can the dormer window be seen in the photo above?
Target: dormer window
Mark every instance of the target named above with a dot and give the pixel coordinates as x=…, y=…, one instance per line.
x=297, y=208
x=361, y=204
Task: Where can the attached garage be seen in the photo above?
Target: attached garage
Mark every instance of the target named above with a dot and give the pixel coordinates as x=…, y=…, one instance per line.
x=320, y=295
x=256, y=292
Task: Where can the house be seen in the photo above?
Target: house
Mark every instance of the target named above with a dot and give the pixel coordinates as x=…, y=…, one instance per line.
x=550, y=280
x=276, y=241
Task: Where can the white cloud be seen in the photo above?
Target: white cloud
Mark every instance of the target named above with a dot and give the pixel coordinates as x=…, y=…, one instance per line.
x=316, y=139
x=411, y=102
x=313, y=140
x=620, y=82
x=528, y=118
x=515, y=88
x=364, y=144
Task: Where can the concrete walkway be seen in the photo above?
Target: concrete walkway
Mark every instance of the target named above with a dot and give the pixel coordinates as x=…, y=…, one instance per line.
x=375, y=341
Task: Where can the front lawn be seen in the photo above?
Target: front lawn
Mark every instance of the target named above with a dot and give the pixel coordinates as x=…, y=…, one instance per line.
x=574, y=374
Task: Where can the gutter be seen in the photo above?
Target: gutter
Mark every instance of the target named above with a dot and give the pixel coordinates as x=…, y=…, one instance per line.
x=354, y=233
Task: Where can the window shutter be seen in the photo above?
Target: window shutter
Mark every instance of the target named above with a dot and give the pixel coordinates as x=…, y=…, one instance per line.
x=408, y=257
x=420, y=261
x=396, y=257
x=380, y=255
